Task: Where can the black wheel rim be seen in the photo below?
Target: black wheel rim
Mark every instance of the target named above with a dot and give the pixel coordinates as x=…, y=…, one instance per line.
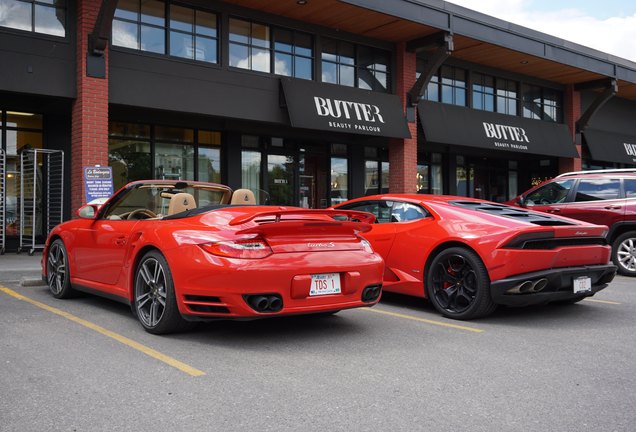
x=150, y=292
x=627, y=254
x=56, y=268
x=454, y=284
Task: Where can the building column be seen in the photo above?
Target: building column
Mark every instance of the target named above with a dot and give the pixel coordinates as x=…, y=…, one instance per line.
x=89, y=137
x=403, y=152
x=572, y=112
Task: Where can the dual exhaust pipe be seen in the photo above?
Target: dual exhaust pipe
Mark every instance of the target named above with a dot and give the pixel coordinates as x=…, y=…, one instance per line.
x=269, y=303
x=529, y=286
x=265, y=303
x=371, y=293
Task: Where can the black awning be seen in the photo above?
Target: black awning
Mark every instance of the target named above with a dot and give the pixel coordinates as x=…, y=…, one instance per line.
x=450, y=124
x=337, y=108
x=611, y=146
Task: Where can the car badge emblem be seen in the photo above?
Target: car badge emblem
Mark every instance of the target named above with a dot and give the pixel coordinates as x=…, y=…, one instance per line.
x=321, y=245
x=581, y=233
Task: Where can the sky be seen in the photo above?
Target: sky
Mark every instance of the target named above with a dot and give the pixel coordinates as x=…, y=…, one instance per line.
x=605, y=25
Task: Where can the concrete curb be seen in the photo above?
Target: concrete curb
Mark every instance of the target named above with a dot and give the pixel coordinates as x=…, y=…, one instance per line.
x=27, y=282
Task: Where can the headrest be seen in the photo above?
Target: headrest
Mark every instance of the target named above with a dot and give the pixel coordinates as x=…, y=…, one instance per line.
x=181, y=202
x=243, y=196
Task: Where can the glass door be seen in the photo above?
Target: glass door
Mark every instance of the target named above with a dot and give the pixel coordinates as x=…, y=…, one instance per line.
x=280, y=179
x=312, y=179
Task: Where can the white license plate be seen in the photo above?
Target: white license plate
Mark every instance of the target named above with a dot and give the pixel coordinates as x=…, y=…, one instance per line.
x=582, y=284
x=326, y=283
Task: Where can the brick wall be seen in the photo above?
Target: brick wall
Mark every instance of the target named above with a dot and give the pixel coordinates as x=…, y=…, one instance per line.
x=403, y=152
x=572, y=112
x=89, y=139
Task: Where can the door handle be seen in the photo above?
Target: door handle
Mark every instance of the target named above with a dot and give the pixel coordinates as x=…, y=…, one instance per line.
x=556, y=210
x=613, y=207
x=120, y=241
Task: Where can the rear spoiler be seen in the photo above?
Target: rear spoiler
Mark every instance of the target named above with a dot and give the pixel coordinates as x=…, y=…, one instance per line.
x=343, y=215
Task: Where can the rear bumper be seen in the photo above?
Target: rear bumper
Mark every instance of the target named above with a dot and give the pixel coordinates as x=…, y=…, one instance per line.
x=560, y=285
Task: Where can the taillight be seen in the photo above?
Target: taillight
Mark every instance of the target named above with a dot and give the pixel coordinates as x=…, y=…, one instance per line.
x=246, y=249
x=366, y=246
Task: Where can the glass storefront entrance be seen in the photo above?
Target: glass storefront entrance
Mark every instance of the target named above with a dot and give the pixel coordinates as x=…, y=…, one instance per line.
x=18, y=131
x=294, y=172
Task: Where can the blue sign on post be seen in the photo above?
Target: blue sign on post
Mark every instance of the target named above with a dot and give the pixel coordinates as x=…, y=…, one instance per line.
x=98, y=182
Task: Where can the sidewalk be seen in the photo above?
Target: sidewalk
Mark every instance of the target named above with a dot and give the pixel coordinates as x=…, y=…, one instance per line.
x=14, y=267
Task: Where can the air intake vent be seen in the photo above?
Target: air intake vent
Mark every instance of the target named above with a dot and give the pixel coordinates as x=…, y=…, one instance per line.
x=512, y=213
x=205, y=304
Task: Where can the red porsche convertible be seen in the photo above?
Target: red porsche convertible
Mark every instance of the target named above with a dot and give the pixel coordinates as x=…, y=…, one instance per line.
x=188, y=251
x=468, y=256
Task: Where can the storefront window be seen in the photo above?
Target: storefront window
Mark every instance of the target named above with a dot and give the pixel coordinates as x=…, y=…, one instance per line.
x=513, y=179
x=542, y=103
x=385, y=177
x=280, y=175
x=422, y=179
x=372, y=69
x=483, y=92
x=353, y=65
x=293, y=54
x=209, y=156
x=251, y=173
x=174, y=161
x=339, y=180
x=376, y=170
x=46, y=17
x=140, y=25
x=448, y=86
x=130, y=160
x=551, y=105
x=22, y=131
x=193, y=34
x=437, y=187
x=250, y=45
x=143, y=25
x=507, y=96
x=372, y=178
x=464, y=178
x=174, y=156
x=429, y=174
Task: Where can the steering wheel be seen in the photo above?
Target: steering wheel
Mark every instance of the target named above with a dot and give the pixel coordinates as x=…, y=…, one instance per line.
x=135, y=214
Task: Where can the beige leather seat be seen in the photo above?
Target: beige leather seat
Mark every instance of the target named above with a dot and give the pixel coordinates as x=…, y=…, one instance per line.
x=181, y=202
x=243, y=196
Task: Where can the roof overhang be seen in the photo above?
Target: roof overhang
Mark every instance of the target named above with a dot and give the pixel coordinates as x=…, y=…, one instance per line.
x=478, y=38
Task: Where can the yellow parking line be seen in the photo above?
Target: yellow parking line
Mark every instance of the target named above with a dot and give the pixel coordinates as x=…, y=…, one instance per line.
x=602, y=301
x=119, y=338
x=427, y=321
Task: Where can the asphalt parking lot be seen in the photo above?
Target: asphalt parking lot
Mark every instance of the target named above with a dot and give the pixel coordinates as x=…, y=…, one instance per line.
x=87, y=365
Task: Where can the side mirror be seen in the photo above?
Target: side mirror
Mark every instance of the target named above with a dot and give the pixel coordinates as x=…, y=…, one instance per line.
x=89, y=211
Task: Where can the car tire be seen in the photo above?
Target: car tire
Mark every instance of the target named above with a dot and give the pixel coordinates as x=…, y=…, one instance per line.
x=458, y=285
x=58, y=277
x=624, y=253
x=154, y=301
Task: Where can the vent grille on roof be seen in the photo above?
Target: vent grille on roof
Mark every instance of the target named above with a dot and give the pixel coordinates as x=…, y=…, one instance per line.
x=512, y=212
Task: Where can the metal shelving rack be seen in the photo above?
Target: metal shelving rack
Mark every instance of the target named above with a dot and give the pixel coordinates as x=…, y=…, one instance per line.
x=3, y=199
x=33, y=181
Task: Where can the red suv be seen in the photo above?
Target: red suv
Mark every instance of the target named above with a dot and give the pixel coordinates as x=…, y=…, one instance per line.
x=604, y=197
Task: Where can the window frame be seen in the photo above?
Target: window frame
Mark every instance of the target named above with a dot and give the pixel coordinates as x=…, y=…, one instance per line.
x=356, y=65
x=33, y=22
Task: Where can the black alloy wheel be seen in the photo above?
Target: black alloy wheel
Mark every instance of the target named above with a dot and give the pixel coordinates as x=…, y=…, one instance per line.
x=458, y=284
x=57, y=273
x=154, y=299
